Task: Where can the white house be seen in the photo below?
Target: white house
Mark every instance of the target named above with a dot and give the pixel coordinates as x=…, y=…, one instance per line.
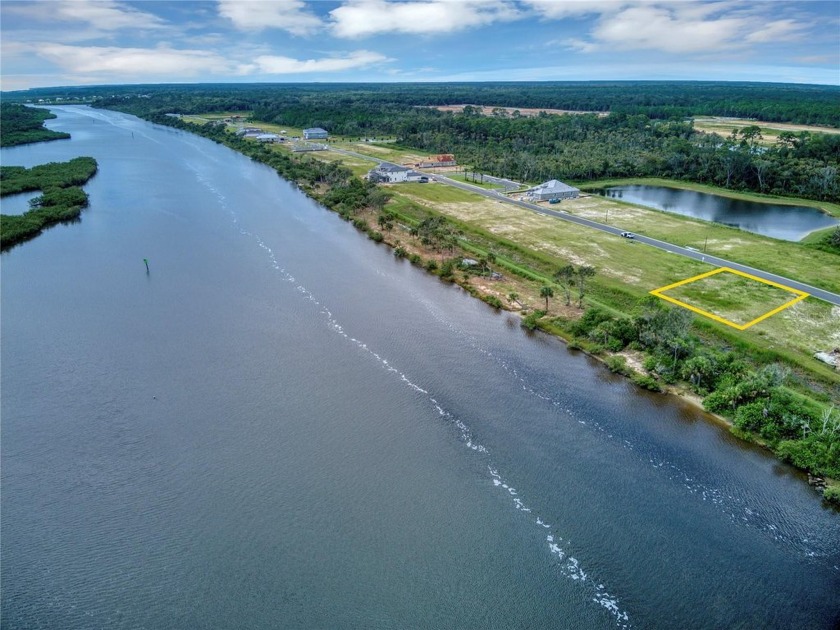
x=393, y=174
x=552, y=189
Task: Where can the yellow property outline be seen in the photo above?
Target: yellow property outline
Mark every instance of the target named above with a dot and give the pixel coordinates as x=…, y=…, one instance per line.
x=800, y=295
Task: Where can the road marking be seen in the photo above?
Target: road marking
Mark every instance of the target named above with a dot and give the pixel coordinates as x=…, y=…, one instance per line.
x=660, y=293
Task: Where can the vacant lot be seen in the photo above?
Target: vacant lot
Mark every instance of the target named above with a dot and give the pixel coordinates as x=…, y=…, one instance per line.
x=733, y=297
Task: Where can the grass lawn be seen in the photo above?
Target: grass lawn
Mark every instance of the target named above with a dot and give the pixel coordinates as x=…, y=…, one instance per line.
x=386, y=152
x=359, y=166
x=436, y=193
x=733, y=297
x=785, y=258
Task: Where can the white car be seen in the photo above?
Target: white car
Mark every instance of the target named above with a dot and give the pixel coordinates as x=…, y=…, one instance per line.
x=628, y=235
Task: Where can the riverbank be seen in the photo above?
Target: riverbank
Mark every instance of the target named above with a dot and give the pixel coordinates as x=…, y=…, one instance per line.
x=614, y=317
x=493, y=288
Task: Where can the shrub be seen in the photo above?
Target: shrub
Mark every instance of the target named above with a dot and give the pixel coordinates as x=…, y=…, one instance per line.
x=530, y=322
x=720, y=401
x=752, y=416
x=415, y=259
x=431, y=265
x=376, y=236
x=400, y=251
x=647, y=382
x=832, y=495
x=493, y=301
x=618, y=365
x=589, y=321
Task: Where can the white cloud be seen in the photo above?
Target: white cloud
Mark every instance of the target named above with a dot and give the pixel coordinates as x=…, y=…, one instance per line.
x=559, y=9
x=273, y=64
x=685, y=28
x=777, y=31
x=663, y=29
x=256, y=15
x=106, y=15
x=363, y=18
x=133, y=62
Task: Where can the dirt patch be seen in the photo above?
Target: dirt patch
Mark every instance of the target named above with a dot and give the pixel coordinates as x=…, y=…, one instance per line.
x=744, y=122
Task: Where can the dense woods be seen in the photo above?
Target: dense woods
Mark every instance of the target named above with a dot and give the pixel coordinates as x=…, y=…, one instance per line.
x=796, y=103
x=647, y=133
x=23, y=125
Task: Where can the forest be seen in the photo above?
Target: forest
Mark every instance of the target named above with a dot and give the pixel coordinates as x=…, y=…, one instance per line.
x=23, y=125
x=649, y=132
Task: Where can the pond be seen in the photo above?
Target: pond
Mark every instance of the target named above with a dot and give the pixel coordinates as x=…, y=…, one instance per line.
x=788, y=223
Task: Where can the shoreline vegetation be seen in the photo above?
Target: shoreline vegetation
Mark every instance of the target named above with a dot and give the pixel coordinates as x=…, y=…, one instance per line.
x=760, y=393
x=25, y=125
x=62, y=199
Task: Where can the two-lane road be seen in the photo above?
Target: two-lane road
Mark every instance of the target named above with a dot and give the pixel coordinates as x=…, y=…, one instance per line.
x=816, y=292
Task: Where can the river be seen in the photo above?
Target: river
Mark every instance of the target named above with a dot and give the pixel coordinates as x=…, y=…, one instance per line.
x=281, y=425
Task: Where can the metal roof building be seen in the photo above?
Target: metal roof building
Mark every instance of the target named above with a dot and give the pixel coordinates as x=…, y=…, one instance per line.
x=553, y=189
x=315, y=133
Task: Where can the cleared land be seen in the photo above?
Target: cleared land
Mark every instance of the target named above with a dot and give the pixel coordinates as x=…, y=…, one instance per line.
x=770, y=131
x=489, y=110
x=732, y=297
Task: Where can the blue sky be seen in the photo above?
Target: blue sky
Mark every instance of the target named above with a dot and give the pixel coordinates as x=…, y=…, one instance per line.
x=77, y=42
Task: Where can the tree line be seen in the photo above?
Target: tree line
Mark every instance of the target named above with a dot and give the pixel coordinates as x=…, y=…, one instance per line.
x=24, y=125
x=631, y=142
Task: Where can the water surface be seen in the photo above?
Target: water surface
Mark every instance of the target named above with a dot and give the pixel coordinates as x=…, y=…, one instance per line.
x=281, y=425
x=17, y=204
x=789, y=223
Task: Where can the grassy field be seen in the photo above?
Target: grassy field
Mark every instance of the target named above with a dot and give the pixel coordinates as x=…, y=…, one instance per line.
x=460, y=178
x=581, y=244
x=781, y=257
x=359, y=166
x=769, y=131
x=733, y=297
x=385, y=152
x=629, y=267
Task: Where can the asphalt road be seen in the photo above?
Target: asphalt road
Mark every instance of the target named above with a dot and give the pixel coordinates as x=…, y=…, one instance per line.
x=822, y=294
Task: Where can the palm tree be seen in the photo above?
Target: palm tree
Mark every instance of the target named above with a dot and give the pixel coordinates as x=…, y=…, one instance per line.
x=514, y=297
x=546, y=292
x=584, y=273
x=564, y=277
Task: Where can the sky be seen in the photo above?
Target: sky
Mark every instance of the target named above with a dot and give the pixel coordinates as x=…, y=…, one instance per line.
x=47, y=43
